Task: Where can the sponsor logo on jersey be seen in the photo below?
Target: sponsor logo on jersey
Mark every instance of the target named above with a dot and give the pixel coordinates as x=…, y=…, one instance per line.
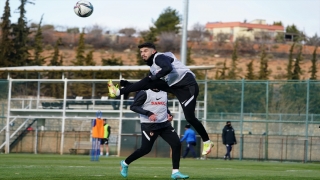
x=158, y=103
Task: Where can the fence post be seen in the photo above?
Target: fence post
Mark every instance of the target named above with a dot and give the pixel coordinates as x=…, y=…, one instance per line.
x=241, y=120
x=307, y=124
x=267, y=124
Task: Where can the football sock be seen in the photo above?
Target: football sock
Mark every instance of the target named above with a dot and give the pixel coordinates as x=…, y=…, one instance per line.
x=175, y=171
x=124, y=162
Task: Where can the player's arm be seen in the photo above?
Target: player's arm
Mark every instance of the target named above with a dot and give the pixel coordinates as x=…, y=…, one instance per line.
x=223, y=136
x=109, y=130
x=139, y=100
x=184, y=136
x=164, y=62
x=170, y=116
x=234, y=135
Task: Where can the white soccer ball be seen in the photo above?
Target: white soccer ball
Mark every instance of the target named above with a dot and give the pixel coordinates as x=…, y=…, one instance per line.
x=83, y=8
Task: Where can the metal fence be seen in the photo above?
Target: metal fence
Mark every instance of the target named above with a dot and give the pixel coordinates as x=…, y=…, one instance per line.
x=274, y=120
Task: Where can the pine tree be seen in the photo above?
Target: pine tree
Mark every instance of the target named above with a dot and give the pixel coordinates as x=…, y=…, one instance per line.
x=250, y=75
x=223, y=74
x=190, y=61
x=20, y=37
x=80, y=54
x=55, y=89
x=78, y=89
x=55, y=55
x=5, y=41
x=297, y=69
x=232, y=73
x=38, y=46
x=289, y=66
x=313, y=70
x=89, y=59
x=263, y=72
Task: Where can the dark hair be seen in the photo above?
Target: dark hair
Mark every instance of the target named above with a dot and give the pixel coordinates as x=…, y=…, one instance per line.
x=147, y=44
x=188, y=126
x=228, y=122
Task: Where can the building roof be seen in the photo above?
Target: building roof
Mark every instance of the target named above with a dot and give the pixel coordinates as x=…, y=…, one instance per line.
x=212, y=25
x=88, y=68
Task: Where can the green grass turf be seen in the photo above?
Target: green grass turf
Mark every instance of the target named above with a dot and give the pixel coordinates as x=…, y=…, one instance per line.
x=68, y=167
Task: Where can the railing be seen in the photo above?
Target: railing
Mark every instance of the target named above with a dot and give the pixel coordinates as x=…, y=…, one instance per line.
x=85, y=104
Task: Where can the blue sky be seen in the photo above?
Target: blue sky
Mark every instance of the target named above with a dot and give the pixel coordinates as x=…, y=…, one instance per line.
x=116, y=14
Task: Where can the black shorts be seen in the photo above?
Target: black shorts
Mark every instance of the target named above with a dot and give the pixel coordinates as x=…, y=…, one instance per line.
x=104, y=141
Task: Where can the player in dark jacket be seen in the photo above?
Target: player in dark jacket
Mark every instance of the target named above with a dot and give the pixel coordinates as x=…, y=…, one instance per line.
x=228, y=139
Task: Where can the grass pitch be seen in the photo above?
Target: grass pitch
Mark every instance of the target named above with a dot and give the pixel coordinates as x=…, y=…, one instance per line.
x=78, y=167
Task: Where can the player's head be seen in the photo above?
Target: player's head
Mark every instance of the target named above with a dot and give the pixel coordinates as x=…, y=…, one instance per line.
x=228, y=123
x=187, y=126
x=146, y=50
x=104, y=121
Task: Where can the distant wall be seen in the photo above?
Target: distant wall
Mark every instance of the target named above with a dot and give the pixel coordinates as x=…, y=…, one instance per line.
x=282, y=148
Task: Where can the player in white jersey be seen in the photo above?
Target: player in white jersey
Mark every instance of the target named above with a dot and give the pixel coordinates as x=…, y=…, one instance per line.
x=168, y=74
x=155, y=120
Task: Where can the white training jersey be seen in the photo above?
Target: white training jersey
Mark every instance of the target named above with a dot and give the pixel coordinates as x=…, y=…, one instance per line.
x=179, y=70
x=156, y=102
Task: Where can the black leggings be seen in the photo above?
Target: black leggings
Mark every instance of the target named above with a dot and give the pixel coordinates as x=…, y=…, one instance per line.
x=187, y=96
x=148, y=138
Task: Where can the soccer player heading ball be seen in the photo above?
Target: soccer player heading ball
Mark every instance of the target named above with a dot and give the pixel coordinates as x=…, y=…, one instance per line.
x=168, y=74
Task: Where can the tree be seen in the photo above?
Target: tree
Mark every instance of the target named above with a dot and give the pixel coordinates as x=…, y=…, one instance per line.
x=290, y=61
x=20, y=37
x=168, y=41
x=83, y=89
x=245, y=44
x=89, y=59
x=198, y=33
x=280, y=37
x=80, y=57
x=296, y=68
x=250, y=75
x=223, y=72
x=262, y=36
x=313, y=41
x=232, y=73
x=221, y=38
x=313, y=69
x=94, y=36
x=296, y=34
x=277, y=23
x=263, y=72
x=38, y=46
x=168, y=21
x=56, y=54
x=128, y=32
x=55, y=89
x=190, y=61
x=5, y=40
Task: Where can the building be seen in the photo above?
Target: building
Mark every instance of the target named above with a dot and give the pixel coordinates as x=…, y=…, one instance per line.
x=255, y=30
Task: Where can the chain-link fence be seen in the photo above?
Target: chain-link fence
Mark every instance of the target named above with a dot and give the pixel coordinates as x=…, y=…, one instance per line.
x=273, y=120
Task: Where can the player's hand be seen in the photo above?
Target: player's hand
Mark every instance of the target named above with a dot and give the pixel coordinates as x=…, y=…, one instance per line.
x=170, y=117
x=153, y=117
x=153, y=77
